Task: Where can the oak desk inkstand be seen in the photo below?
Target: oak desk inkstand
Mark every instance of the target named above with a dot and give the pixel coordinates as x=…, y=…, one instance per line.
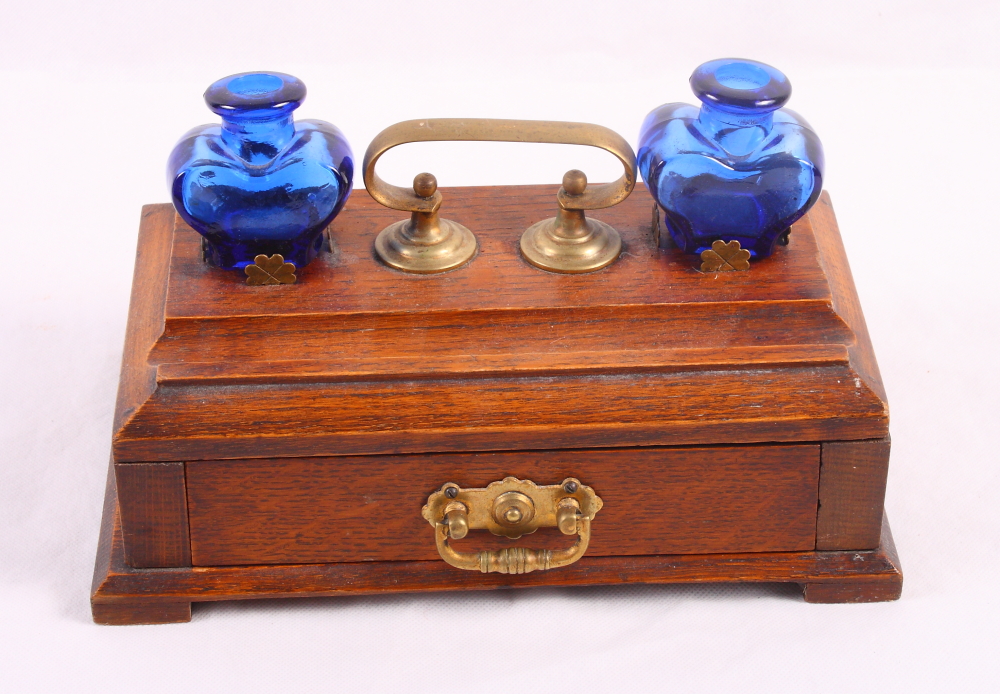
x=493, y=387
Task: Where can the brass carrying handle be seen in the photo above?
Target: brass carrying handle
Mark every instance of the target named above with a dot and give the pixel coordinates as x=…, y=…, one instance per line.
x=512, y=507
x=496, y=130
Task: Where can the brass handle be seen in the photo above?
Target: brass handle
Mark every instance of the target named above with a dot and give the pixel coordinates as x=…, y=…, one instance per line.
x=516, y=560
x=494, y=130
x=568, y=243
x=512, y=507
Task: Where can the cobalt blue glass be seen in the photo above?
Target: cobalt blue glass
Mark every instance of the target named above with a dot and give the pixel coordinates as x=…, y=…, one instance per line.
x=740, y=168
x=260, y=182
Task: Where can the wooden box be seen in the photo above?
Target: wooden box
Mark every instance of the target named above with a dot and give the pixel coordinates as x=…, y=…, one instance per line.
x=280, y=441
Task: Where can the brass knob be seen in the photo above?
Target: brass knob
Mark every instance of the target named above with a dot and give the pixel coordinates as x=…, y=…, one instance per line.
x=569, y=242
x=512, y=509
x=425, y=243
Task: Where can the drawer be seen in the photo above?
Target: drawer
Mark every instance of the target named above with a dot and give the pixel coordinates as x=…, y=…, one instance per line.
x=367, y=508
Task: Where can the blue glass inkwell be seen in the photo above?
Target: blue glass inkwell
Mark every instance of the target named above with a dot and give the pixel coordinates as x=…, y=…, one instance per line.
x=260, y=183
x=740, y=168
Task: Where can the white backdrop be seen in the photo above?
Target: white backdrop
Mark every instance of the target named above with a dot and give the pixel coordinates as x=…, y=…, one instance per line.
x=903, y=94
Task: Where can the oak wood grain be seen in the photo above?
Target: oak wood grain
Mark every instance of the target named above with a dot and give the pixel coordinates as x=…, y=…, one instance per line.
x=146, y=310
x=412, y=368
x=853, y=588
x=689, y=407
x=109, y=516
x=367, y=508
x=111, y=559
x=122, y=612
x=352, y=281
x=851, y=493
x=275, y=397
x=154, y=514
x=121, y=584
x=561, y=333
x=476, y=359
x=853, y=591
x=833, y=258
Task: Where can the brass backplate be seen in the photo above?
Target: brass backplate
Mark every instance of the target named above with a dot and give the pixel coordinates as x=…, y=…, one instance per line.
x=488, y=507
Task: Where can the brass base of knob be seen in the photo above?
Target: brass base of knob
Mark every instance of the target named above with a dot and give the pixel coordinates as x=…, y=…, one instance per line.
x=450, y=246
x=544, y=246
x=425, y=243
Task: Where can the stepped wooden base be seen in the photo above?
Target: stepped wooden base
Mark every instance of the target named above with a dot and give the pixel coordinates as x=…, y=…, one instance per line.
x=123, y=595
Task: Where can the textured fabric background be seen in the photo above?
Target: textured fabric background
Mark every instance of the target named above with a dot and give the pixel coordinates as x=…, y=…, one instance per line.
x=905, y=98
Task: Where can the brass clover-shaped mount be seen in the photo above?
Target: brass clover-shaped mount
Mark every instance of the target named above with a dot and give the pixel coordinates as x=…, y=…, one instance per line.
x=273, y=270
x=724, y=257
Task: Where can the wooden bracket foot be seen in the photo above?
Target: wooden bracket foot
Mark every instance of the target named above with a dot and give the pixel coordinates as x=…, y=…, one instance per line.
x=853, y=591
x=140, y=612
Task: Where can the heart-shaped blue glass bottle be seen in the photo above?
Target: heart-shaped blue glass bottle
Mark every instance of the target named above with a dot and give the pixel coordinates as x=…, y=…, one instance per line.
x=260, y=182
x=740, y=168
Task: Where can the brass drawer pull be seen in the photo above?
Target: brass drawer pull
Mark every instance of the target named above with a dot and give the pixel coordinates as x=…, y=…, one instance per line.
x=568, y=242
x=512, y=508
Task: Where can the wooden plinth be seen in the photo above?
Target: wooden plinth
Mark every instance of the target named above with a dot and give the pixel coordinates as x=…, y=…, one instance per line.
x=123, y=595
x=280, y=441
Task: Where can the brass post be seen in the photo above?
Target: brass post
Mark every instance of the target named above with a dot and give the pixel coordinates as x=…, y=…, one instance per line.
x=425, y=243
x=569, y=242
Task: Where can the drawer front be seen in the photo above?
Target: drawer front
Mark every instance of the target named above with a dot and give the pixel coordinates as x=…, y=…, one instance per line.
x=367, y=508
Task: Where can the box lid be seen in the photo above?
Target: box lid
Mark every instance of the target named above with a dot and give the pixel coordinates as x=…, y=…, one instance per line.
x=358, y=358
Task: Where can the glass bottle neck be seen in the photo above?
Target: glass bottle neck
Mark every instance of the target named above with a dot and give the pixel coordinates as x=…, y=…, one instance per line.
x=258, y=139
x=713, y=117
x=737, y=133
